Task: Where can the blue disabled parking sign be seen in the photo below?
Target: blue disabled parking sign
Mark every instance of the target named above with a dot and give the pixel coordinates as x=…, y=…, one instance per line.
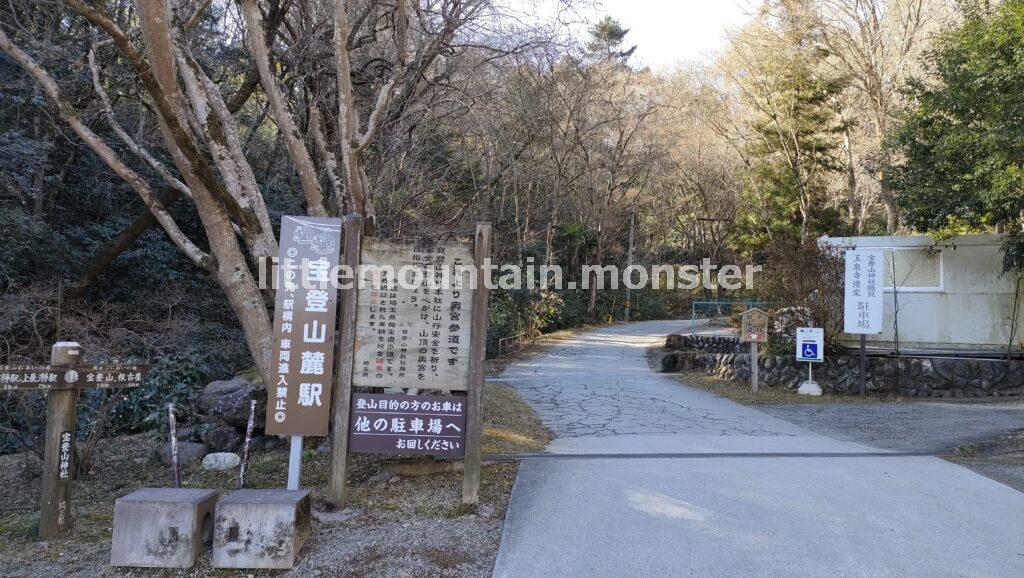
x=810, y=344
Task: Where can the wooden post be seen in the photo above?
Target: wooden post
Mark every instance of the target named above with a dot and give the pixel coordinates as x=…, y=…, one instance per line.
x=59, y=457
x=629, y=265
x=754, y=369
x=245, y=445
x=344, y=359
x=478, y=351
x=172, y=425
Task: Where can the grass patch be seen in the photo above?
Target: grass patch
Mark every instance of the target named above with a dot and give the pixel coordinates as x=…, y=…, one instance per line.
x=127, y=463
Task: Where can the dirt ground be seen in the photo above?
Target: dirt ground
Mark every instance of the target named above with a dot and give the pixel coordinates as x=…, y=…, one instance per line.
x=405, y=517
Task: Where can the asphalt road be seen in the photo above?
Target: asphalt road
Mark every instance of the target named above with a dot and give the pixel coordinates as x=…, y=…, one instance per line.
x=707, y=513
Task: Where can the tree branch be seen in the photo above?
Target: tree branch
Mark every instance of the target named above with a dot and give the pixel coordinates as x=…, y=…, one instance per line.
x=102, y=150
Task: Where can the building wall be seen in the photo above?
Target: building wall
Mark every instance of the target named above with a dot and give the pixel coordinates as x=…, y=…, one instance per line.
x=950, y=296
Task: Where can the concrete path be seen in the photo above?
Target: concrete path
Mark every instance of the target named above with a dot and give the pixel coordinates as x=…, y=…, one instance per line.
x=919, y=426
x=635, y=514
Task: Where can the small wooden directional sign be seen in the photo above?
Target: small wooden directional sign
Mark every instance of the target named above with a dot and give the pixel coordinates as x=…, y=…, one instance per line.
x=754, y=326
x=62, y=380
x=106, y=376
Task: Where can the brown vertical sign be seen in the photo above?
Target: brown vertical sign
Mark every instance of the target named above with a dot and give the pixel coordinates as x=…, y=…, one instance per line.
x=299, y=401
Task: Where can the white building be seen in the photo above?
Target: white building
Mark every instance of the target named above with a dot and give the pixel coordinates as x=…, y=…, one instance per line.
x=946, y=296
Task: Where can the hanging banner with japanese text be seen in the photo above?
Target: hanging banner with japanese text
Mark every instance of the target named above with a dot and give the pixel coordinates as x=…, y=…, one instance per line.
x=863, y=303
x=299, y=400
x=413, y=315
x=408, y=424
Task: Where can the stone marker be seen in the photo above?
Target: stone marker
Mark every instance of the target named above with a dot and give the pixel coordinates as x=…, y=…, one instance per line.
x=162, y=527
x=261, y=529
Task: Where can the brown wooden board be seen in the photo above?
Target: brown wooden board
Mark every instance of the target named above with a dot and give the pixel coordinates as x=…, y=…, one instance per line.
x=754, y=326
x=408, y=424
x=103, y=376
x=414, y=337
x=299, y=401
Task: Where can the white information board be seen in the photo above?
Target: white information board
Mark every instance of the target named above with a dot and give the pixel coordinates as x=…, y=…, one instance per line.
x=414, y=336
x=862, y=306
x=810, y=344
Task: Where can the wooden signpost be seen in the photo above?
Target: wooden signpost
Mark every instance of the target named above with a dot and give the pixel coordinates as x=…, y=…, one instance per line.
x=754, y=330
x=418, y=322
x=62, y=380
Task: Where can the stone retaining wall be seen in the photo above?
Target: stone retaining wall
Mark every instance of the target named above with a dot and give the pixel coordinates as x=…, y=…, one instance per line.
x=713, y=343
x=910, y=376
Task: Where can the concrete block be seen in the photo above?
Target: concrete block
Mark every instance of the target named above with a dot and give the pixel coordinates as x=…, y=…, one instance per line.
x=162, y=527
x=261, y=529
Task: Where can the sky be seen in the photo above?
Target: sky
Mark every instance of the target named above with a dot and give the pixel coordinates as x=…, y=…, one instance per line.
x=670, y=31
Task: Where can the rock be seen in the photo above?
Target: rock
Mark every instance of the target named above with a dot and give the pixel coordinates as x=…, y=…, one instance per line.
x=686, y=361
x=221, y=437
x=669, y=362
x=229, y=400
x=674, y=342
x=188, y=452
x=221, y=461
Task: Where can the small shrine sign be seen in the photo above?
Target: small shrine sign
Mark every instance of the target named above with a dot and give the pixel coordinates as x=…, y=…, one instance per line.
x=754, y=326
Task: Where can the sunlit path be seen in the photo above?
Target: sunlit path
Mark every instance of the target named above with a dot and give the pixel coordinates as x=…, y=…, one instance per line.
x=810, y=516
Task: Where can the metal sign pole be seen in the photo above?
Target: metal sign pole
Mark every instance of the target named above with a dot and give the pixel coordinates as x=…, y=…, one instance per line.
x=863, y=364
x=295, y=463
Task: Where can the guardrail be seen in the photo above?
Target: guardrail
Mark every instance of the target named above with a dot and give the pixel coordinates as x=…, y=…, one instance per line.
x=518, y=341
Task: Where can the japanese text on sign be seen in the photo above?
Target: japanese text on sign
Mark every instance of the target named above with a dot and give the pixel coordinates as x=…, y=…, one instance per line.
x=863, y=295
x=106, y=376
x=406, y=424
x=299, y=400
x=414, y=333
x=754, y=326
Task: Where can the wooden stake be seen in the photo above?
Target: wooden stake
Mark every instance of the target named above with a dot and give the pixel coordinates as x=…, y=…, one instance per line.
x=478, y=351
x=55, y=514
x=173, y=430
x=344, y=359
x=246, y=444
x=754, y=369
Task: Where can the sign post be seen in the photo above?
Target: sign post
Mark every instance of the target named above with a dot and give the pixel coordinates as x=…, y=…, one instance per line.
x=810, y=347
x=862, y=305
x=477, y=353
x=337, y=487
x=754, y=330
x=62, y=380
x=299, y=402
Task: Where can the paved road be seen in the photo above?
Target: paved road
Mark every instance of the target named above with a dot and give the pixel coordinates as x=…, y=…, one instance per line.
x=920, y=426
x=727, y=516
